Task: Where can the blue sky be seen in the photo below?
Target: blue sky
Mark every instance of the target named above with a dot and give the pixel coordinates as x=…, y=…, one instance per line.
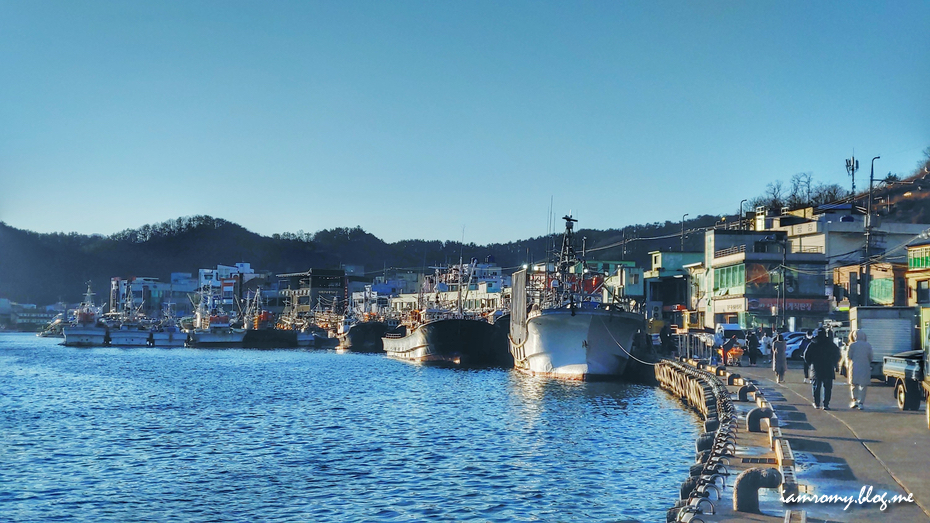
x=416, y=119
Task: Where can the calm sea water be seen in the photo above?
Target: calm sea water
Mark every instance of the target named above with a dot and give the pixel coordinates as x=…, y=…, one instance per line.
x=289, y=435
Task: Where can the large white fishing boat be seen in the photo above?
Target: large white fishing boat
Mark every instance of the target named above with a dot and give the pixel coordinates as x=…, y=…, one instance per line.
x=86, y=329
x=560, y=327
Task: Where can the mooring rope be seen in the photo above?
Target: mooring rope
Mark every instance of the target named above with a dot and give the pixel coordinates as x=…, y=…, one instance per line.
x=621, y=346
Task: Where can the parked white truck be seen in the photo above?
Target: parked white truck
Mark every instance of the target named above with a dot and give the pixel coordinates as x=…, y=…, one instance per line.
x=890, y=330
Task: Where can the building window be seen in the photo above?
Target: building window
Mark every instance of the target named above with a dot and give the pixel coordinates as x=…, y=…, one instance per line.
x=923, y=292
x=730, y=280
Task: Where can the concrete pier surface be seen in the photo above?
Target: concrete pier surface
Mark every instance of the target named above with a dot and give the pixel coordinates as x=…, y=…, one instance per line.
x=845, y=452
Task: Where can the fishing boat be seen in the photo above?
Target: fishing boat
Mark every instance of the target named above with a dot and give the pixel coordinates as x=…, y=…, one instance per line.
x=128, y=327
x=212, y=326
x=54, y=327
x=306, y=332
x=86, y=329
x=168, y=332
x=261, y=329
x=447, y=333
x=443, y=336
x=560, y=327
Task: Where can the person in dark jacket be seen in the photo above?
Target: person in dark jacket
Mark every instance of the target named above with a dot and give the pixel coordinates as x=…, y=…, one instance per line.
x=823, y=356
x=727, y=347
x=753, y=341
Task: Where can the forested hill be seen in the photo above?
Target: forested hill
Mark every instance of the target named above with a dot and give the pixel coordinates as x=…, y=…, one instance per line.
x=45, y=268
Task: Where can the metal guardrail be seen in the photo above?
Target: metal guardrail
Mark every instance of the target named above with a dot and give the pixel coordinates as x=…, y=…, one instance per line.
x=810, y=250
x=695, y=346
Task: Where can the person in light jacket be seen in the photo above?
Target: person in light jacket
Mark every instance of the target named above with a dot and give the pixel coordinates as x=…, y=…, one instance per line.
x=779, y=358
x=859, y=367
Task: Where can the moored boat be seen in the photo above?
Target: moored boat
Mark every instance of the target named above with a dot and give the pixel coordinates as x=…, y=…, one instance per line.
x=86, y=330
x=213, y=327
x=559, y=326
x=444, y=337
x=168, y=332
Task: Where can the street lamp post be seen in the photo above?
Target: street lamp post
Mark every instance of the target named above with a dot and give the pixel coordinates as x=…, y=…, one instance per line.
x=868, y=240
x=682, y=246
x=741, y=214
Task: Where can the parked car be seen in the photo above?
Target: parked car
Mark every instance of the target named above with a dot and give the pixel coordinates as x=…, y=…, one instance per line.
x=793, y=344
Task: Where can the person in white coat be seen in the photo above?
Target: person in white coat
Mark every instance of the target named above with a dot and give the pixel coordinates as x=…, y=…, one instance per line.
x=859, y=358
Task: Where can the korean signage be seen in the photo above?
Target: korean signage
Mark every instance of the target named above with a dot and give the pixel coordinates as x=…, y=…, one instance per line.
x=791, y=305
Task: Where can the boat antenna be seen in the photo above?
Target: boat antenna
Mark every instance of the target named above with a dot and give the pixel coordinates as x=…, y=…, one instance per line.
x=461, y=267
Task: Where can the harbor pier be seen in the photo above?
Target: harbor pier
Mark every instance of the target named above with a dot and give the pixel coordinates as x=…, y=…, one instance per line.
x=769, y=455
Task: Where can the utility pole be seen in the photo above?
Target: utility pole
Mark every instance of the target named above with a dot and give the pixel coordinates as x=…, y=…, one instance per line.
x=852, y=165
x=868, y=240
x=682, y=247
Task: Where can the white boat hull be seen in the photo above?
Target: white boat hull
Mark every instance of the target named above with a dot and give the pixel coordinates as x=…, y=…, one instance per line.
x=586, y=345
x=84, y=336
x=129, y=338
x=174, y=338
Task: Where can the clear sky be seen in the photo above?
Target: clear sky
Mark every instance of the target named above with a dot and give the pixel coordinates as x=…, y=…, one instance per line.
x=414, y=119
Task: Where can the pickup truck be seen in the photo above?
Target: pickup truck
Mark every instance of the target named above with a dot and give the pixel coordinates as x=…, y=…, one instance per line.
x=905, y=371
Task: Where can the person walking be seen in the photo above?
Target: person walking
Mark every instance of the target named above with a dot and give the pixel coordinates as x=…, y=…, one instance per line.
x=718, y=344
x=753, y=343
x=823, y=356
x=859, y=368
x=727, y=346
x=779, y=358
x=766, y=347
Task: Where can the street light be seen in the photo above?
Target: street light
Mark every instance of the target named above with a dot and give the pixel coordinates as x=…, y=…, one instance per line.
x=682, y=247
x=741, y=213
x=868, y=240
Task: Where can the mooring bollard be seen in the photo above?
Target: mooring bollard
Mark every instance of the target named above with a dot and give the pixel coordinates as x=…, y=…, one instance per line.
x=753, y=423
x=747, y=485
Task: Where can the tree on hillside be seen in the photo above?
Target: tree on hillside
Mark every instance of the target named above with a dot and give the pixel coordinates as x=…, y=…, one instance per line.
x=774, y=196
x=800, y=195
x=826, y=193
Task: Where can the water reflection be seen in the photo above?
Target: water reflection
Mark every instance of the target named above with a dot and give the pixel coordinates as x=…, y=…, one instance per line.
x=203, y=435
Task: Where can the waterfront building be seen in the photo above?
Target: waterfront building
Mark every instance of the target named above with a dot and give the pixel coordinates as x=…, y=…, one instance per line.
x=313, y=288
x=693, y=319
x=225, y=281
x=625, y=281
x=839, y=232
x=25, y=317
x=397, y=281
x=667, y=287
x=918, y=285
x=758, y=278
x=151, y=296
x=888, y=287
